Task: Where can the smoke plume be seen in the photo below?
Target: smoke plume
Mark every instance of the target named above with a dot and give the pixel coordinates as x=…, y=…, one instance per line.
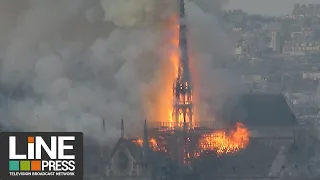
x=75, y=63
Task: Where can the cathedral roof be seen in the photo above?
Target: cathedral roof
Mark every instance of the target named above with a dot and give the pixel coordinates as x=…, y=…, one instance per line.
x=245, y=163
x=134, y=149
x=155, y=159
x=259, y=109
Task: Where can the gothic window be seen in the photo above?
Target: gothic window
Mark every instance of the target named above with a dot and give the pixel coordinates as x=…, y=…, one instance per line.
x=122, y=162
x=111, y=173
x=134, y=173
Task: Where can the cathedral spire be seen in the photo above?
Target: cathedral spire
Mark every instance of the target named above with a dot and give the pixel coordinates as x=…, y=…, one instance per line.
x=182, y=90
x=122, y=129
x=145, y=141
x=103, y=125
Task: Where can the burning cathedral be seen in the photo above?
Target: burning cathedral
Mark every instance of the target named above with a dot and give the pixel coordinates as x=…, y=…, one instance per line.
x=169, y=150
x=183, y=148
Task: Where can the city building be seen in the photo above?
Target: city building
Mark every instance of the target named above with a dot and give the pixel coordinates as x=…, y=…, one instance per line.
x=311, y=10
x=276, y=42
x=301, y=47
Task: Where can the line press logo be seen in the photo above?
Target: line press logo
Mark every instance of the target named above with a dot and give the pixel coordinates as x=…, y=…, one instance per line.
x=42, y=155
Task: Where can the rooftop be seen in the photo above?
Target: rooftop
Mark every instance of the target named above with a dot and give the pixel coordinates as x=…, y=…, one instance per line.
x=245, y=163
x=259, y=109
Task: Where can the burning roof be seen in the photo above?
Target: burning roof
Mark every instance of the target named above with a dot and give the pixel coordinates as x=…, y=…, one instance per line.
x=224, y=142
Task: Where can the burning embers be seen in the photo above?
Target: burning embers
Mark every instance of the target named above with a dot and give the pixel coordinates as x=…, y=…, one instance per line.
x=153, y=144
x=225, y=142
x=221, y=142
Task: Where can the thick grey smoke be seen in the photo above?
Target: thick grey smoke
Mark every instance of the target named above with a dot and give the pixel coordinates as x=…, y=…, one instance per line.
x=211, y=47
x=77, y=62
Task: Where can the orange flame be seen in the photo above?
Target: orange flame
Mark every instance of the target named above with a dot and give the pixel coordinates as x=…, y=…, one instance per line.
x=138, y=142
x=168, y=73
x=223, y=142
x=152, y=143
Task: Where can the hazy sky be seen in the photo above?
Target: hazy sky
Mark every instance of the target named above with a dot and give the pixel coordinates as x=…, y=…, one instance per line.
x=269, y=7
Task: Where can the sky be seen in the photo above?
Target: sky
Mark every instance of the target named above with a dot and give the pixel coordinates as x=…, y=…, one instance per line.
x=267, y=7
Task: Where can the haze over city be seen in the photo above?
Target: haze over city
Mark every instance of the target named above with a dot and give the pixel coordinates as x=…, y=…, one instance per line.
x=267, y=7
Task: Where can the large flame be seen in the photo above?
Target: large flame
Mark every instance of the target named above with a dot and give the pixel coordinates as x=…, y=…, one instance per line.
x=223, y=142
x=219, y=141
x=169, y=73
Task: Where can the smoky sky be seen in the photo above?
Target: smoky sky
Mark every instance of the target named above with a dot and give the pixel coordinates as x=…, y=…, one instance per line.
x=267, y=7
x=78, y=62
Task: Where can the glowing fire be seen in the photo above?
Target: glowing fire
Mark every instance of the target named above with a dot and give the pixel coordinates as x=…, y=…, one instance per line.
x=138, y=142
x=220, y=141
x=223, y=142
x=168, y=73
x=152, y=143
x=174, y=60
